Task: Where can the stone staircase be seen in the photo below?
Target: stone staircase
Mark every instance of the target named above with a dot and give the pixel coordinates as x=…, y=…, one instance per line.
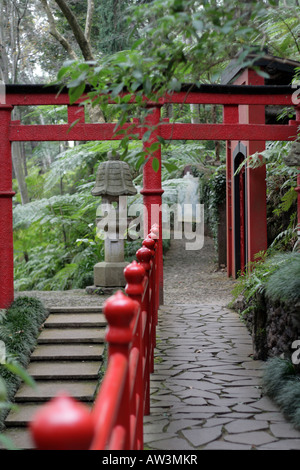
x=68, y=358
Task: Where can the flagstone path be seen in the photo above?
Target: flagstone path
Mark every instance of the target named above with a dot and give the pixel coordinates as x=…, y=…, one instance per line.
x=206, y=388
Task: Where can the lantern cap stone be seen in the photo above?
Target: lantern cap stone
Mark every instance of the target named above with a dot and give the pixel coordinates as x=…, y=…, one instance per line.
x=113, y=178
x=293, y=157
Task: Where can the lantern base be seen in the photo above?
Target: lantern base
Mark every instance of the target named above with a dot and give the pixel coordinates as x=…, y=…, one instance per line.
x=108, y=274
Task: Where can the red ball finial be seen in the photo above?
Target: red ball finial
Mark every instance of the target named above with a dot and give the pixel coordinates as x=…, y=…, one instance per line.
x=62, y=424
x=119, y=311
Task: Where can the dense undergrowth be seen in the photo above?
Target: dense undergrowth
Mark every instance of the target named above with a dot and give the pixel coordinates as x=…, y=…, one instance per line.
x=277, y=274
x=276, y=278
x=281, y=382
x=19, y=329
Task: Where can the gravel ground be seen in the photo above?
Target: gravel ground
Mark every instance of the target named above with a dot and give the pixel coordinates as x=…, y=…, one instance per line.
x=190, y=277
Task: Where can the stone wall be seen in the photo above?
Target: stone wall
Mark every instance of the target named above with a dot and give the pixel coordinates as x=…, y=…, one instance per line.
x=274, y=327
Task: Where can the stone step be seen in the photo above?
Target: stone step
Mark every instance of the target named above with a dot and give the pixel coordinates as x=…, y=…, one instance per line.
x=76, y=310
x=71, y=352
x=71, y=335
x=65, y=370
x=67, y=359
x=23, y=415
x=20, y=439
x=82, y=390
x=75, y=320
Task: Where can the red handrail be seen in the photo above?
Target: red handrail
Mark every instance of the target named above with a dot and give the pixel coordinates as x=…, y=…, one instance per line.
x=116, y=420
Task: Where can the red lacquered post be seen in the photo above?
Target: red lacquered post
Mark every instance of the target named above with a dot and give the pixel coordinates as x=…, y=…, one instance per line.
x=62, y=424
x=152, y=186
x=144, y=256
x=6, y=217
x=119, y=311
x=151, y=244
x=154, y=234
x=135, y=276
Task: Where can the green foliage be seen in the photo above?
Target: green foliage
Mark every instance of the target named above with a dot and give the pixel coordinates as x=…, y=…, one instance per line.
x=178, y=41
x=19, y=328
x=270, y=273
x=111, y=28
x=276, y=371
x=284, y=283
x=55, y=242
x=282, y=384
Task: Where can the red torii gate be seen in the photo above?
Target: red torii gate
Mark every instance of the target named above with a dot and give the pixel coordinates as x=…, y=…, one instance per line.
x=242, y=122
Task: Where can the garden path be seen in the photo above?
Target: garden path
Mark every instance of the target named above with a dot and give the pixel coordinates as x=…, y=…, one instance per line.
x=206, y=388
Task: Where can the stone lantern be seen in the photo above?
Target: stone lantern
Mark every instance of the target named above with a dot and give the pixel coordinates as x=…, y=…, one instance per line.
x=113, y=184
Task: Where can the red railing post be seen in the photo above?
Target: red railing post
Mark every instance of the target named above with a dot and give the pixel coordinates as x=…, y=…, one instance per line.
x=135, y=278
x=120, y=312
x=151, y=244
x=62, y=424
x=154, y=234
x=116, y=421
x=144, y=256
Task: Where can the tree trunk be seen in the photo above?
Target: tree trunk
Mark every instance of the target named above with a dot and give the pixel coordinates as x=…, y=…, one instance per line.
x=81, y=39
x=195, y=110
x=17, y=160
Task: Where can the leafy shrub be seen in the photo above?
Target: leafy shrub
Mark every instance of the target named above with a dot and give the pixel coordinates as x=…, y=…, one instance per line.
x=19, y=329
x=271, y=273
x=282, y=384
x=284, y=283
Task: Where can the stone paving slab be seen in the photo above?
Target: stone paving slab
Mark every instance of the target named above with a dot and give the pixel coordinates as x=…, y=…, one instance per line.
x=72, y=335
x=64, y=370
x=20, y=439
x=22, y=415
x=206, y=389
x=75, y=309
x=56, y=320
x=62, y=352
x=80, y=390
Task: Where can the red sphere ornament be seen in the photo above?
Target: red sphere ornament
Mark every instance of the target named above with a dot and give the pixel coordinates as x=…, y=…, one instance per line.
x=62, y=424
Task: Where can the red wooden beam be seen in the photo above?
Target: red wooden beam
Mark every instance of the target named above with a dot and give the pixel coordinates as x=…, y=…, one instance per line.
x=37, y=99
x=260, y=132
x=38, y=95
x=63, y=132
x=284, y=99
x=106, y=131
